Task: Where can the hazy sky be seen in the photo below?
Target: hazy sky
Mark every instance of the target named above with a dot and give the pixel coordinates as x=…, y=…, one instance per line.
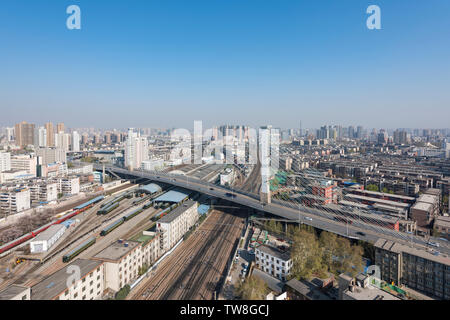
x=166, y=63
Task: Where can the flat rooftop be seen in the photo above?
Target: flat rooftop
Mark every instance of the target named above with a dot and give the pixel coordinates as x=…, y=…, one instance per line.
x=12, y=291
x=443, y=222
x=285, y=256
x=49, y=233
x=307, y=289
x=175, y=213
x=376, y=200
x=370, y=293
x=422, y=253
x=116, y=251
x=424, y=206
x=55, y=284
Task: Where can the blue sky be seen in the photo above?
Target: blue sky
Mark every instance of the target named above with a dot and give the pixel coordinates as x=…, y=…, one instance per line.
x=169, y=62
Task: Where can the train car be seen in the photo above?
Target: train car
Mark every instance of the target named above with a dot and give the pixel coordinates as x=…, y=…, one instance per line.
x=75, y=252
x=108, y=209
x=77, y=210
x=111, y=227
x=132, y=214
x=148, y=205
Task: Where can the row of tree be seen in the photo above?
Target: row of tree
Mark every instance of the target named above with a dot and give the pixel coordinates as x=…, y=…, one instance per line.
x=312, y=256
x=315, y=256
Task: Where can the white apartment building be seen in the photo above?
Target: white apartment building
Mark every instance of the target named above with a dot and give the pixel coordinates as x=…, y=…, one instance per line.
x=175, y=224
x=24, y=162
x=5, y=161
x=62, y=140
x=75, y=141
x=13, y=200
x=64, y=285
x=41, y=137
x=122, y=260
x=152, y=164
x=14, y=175
x=81, y=170
x=43, y=191
x=136, y=149
x=45, y=240
x=51, y=155
x=273, y=261
x=69, y=185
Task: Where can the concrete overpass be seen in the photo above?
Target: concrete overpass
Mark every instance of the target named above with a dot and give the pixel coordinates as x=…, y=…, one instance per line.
x=317, y=218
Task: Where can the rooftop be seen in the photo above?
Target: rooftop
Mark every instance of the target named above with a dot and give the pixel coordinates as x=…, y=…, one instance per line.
x=307, y=289
x=56, y=283
x=369, y=293
x=151, y=188
x=285, y=256
x=49, y=233
x=11, y=291
x=424, y=206
x=422, y=253
x=175, y=213
x=176, y=195
x=116, y=251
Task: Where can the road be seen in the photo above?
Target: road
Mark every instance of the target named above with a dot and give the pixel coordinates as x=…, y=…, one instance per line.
x=314, y=217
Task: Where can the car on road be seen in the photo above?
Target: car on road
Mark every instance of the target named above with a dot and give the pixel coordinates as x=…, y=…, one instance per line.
x=211, y=189
x=243, y=265
x=434, y=244
x=361, y=233
x=308, y=218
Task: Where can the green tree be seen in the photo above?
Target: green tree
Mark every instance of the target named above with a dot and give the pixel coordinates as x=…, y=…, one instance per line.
x=123, y=293
x=372, y=187
x=307, y=255
x=253, y=288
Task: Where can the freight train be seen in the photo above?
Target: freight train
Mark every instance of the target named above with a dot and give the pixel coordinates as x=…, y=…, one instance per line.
x=77, y=210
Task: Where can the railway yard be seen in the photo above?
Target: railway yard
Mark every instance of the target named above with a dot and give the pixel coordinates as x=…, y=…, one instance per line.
x=90, y=224
x=196, y=269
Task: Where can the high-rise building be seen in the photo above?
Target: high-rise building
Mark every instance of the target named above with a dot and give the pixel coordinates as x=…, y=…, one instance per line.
x=42, y=137
x=62, y=140
x=75, y=141
x=50, y=129
x=24, y=134
x=60, y=128
x=401, y=137
x=10, y=134
x=136, y=150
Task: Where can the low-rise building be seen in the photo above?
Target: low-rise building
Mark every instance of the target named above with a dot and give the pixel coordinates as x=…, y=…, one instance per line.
x=15, y=292
x=122, y=260
x=173, y=226
x=45, y=240
x=418, y=269
x=442, y=225
x=69, y=185
x=273, y=261
x=13, y=200
x=359, y=288
x=82, y=279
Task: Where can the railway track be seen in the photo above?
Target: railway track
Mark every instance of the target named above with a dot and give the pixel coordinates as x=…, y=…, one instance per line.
x=195, y=272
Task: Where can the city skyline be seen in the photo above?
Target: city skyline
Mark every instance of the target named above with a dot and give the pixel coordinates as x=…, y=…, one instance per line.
x=155, y=64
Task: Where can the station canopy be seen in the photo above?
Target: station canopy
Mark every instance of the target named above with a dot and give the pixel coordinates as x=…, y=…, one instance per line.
x=175, y=195
x=150, y=188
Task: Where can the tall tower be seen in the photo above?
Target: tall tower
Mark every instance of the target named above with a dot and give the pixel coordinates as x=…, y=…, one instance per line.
x=50, y=134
